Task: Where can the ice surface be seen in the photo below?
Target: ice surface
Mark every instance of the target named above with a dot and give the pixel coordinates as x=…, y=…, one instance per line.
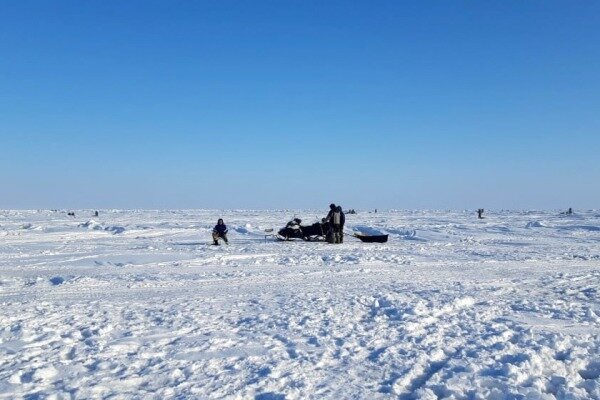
x=138, y=304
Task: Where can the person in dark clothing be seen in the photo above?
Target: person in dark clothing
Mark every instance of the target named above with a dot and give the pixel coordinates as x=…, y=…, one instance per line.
x=336, y=220
x=330, y=237
x=219, y=232
x=332, y=208
x=480, y=213
x=342, y=216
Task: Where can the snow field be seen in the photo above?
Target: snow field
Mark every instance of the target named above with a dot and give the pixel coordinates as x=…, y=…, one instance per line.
x=450, y=307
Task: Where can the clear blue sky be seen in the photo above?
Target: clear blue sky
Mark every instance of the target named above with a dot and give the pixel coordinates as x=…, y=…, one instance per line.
x=292, y=104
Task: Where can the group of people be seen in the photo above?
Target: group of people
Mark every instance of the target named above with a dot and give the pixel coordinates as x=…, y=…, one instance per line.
x=334, y=221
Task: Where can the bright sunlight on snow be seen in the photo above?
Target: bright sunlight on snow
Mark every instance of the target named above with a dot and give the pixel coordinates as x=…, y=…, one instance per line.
x=138, y=304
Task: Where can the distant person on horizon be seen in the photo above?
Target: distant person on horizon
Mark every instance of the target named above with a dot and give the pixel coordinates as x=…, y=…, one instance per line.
x=480, y=213
x=219, y=232
x=570, y=211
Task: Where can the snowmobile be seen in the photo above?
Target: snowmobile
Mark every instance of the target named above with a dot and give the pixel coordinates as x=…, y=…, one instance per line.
x=295, y=230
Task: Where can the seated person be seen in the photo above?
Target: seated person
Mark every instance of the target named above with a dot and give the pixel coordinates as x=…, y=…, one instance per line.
x=219, y=232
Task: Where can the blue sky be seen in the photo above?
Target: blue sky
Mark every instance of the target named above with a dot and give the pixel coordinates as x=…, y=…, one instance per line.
x=294, y=104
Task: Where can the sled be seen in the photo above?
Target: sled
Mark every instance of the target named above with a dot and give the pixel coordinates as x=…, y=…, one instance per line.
x=372, y=238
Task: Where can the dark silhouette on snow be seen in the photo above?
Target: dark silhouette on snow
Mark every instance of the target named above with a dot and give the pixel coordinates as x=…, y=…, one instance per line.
x=480, y=213
x=295, y=230
x=219, y=232
x=340, y=232
x=336, y=220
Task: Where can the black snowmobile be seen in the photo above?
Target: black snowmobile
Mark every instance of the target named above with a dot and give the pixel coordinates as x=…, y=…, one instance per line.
x=295, y=230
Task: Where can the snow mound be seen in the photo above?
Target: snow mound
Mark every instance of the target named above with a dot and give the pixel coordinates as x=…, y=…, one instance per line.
x=57, y=280
x=535, y=224
x=115, y=229
x=405, y=233
x=91, y=224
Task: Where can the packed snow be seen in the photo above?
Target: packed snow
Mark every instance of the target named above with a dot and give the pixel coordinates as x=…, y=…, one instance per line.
x=138, y=304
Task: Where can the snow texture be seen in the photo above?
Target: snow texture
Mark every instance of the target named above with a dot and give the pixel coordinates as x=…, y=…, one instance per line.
x=137, y=304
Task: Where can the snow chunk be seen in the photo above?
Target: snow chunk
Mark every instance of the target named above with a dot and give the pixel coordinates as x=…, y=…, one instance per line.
x=57, y=280
x=91, y=224
x=535, y=224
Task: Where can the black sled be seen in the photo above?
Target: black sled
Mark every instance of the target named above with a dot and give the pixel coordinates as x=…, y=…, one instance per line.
x=372, y=238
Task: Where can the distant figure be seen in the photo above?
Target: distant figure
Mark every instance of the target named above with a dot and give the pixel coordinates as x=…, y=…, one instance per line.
x=71, y=214
x=219, y=232
x=375, y=211
x=570, y=211
x=96, y=214
x=480, y=213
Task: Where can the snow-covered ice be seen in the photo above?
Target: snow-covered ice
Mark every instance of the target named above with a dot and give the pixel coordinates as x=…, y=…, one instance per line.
x=137, y=304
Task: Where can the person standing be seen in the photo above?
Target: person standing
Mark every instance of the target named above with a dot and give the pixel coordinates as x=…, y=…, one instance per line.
x=336, y=224
x=332, y=208
x=330, y=236
x=219, y=232
x=342, y=222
